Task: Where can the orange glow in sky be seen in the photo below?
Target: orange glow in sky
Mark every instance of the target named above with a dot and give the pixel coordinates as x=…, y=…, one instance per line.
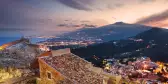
x=57, y=16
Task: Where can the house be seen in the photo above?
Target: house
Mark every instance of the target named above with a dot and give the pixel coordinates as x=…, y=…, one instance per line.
x=63, y=67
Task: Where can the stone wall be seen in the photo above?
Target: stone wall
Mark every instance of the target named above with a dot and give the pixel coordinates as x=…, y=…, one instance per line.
x=60, y=52
x=44, y=68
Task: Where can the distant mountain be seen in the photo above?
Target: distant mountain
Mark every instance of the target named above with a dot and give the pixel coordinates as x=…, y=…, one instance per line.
x=157, y=34
x=154, y=44
x=106, y=33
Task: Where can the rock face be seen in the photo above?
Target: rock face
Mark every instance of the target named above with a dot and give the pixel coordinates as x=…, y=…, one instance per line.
x=19, y=55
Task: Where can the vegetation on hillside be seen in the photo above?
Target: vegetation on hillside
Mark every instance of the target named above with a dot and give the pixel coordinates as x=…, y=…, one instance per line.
x=9, y=73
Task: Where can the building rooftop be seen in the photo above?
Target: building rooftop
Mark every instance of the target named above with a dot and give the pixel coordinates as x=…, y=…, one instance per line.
x=74, y=68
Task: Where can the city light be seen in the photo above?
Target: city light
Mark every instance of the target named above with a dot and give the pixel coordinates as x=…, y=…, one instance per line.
x=1, y=48
x=145, y=66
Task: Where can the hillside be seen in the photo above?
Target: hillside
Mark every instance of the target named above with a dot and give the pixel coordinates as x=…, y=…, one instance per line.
x=152, y=43
x=18, y=54
x=106, y=33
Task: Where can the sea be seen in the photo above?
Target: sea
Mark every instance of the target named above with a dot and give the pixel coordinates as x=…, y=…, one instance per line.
x=4, y=40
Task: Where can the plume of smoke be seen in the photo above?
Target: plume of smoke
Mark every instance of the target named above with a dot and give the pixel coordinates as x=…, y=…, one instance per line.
x=154, y=18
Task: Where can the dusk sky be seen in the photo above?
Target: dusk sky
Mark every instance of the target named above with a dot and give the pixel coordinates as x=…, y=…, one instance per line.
x=53, y=17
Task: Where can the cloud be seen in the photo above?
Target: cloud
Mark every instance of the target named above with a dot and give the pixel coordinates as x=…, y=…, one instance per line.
x=153, y=19
x=85, y=21
x=15, y=29
x=66, y=20
x=88, y=26
x=69, y=25
x=113, y=6
x=77, y=4
x=90, y=5
x=76, y=25
x=147, y=1
x=62, y=25
x=18, y=13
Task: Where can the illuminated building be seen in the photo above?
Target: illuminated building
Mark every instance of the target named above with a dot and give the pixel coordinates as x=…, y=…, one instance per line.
x=64, y=67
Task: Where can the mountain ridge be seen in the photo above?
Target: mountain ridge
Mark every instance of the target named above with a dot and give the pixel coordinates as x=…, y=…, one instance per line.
x=116, y=31
x=152, y=43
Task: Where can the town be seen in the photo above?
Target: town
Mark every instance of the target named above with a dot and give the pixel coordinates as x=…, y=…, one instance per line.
x=67, y=43
x=83, y=41
x=25, y=63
